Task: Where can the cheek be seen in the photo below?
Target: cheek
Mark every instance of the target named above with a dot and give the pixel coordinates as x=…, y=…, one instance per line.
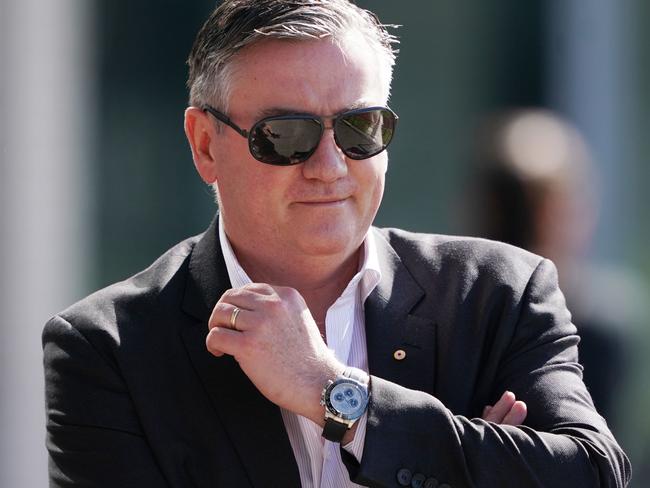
x=253, y=190
x=378, y=194
x=375, y=178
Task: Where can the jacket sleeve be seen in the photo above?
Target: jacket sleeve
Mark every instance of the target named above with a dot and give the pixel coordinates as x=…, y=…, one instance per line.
x=564, y=442
x=91, y=423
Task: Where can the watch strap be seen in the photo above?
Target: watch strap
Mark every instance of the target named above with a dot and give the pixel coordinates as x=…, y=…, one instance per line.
x=356, y=374
x=334, y=430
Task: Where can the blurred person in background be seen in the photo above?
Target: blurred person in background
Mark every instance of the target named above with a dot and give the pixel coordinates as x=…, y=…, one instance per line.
x=293, y=344
x=535, y=185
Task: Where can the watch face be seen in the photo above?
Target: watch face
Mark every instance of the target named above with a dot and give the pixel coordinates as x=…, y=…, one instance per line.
x=348, y=400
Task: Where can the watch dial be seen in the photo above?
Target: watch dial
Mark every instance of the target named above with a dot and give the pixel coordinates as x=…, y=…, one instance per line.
x=347, y=399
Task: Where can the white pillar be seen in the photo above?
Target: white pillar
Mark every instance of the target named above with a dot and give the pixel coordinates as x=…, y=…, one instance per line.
x=46, y=113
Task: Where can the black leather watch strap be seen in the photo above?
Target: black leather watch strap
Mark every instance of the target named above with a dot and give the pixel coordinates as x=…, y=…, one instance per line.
x=334, y=431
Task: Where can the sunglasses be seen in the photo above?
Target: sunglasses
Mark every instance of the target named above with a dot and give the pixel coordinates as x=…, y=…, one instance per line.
x=283, y=140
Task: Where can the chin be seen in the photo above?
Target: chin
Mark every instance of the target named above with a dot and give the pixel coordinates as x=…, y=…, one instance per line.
x=330, y=243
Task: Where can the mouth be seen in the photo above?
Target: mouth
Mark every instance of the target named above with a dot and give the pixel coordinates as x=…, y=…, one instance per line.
x=325, y=202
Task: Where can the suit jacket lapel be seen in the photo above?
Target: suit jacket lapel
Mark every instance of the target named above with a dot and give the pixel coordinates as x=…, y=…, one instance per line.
x=393, y=325
x=254, y=425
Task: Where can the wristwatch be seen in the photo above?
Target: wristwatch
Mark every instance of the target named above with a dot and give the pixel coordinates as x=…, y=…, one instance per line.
x=345, y=400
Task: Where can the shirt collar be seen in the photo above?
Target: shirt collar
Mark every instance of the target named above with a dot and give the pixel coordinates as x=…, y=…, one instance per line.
x=236, y=273
x=367, y=277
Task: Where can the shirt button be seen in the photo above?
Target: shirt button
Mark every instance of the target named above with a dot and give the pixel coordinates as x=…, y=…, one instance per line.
x=418, y=480
x=404, y=477
x=430, y=483
x=399, y=354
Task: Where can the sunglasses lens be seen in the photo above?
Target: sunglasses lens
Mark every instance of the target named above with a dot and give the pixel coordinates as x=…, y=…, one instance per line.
x=284, y=141
x=362, y=134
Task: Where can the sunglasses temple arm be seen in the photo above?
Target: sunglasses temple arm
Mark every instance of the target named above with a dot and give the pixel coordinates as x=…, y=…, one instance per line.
x=226, y=120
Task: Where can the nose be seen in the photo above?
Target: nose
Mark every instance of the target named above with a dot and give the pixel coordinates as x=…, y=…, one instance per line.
x=328, y=163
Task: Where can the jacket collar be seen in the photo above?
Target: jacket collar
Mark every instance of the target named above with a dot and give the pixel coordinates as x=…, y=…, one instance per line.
x=394, y=323
x=254, y=425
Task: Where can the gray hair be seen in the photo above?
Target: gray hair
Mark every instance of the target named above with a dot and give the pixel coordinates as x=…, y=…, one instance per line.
x=235, y=24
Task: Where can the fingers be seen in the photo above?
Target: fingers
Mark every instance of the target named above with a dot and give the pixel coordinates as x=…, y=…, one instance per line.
x=507, y=411
x=248, y=298
x=499, y=411
x=221, y=340
x=253, y=308
x=225, y=314
x=517, y=414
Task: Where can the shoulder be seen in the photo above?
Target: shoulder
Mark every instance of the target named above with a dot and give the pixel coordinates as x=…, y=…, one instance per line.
x=97, y=315
x=461, y=258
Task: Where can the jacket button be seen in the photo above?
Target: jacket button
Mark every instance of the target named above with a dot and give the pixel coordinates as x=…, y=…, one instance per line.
x=404, y=477
x=418, y=480
x=430, y=483
x=399, y=354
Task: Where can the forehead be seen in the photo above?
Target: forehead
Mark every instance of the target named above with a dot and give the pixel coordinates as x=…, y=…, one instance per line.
x=316, y=76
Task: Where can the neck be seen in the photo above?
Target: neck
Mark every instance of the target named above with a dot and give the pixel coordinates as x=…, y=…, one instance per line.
x=320, y=280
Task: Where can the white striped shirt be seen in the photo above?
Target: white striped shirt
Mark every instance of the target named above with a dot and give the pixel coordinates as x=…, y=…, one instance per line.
x=319, y=460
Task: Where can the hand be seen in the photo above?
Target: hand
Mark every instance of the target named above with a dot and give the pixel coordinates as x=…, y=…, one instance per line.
x=508, y=410
x=277, y=344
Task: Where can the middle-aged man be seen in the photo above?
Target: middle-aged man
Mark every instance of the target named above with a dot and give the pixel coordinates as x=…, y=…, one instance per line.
x=298, y=298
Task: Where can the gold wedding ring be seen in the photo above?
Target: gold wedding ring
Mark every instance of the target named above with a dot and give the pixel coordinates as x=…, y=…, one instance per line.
x=233, y=317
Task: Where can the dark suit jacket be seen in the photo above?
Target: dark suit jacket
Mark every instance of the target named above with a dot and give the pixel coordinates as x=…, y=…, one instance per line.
x=134, y=399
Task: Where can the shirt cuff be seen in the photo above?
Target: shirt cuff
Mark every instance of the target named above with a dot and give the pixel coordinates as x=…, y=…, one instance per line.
x=355, y=446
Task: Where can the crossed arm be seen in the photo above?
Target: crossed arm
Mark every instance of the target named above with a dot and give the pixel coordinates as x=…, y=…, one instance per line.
x=564, y=442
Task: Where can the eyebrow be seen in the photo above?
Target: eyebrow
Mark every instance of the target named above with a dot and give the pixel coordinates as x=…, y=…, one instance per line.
x=273, y=111
x=279, y=111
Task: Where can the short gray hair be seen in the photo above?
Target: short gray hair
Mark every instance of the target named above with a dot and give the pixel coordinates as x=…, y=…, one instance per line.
x=235, y=24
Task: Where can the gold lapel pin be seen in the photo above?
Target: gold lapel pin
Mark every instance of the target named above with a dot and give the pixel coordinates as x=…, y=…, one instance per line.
x=399, y=354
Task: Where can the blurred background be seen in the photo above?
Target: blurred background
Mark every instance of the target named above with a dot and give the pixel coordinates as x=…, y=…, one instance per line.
x=96, y=179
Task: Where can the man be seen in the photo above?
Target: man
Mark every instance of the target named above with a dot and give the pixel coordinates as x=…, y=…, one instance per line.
x=241, y=357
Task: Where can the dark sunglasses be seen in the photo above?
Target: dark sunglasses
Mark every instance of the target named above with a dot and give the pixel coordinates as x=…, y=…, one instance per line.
x=283, y=140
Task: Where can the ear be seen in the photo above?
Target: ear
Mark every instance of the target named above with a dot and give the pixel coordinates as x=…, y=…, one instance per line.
x=200, y=132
